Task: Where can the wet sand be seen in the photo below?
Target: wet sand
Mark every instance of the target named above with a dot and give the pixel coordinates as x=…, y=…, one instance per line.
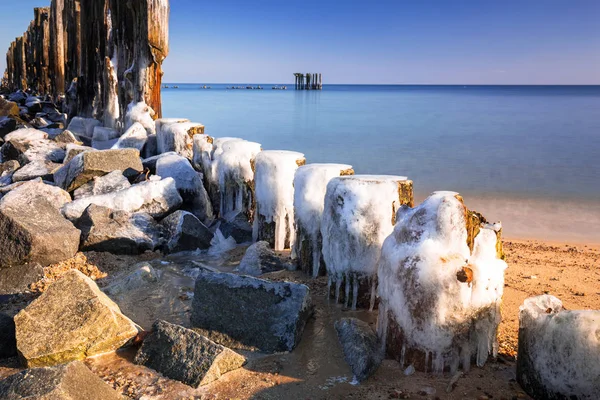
x=316, y=369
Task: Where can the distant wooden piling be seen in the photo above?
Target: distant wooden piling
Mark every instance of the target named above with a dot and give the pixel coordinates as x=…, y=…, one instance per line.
x=309, y=81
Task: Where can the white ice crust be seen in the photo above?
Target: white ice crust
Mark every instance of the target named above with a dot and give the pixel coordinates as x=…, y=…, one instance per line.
x=418, y=284
x=310, y=186
x=142, y=113
x=274, y=191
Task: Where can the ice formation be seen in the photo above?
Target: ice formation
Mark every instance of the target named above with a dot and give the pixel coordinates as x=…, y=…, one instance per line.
x=178, y=137
x=440, y=300
x=310, y=186
x=142, y=113
x=359, y=214
x=559, y=350
x=135, y=137
x=274, y=172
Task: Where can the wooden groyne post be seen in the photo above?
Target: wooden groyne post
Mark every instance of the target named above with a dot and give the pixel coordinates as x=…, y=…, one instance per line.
x=310, y=81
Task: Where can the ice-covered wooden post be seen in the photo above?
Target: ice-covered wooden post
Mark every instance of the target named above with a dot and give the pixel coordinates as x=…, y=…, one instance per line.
x=274, y=172
x=360, y=212
x=310, y=186
x=441, y=279
x=559, y=350
x=172, y=135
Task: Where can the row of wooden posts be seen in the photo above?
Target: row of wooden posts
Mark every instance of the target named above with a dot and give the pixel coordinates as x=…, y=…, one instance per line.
x=308, y=81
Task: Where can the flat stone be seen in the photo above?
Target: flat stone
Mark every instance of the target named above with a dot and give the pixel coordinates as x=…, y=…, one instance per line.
x=157, y=198
x=72, y=320
x=66, y=136
x=246, y=312
x=27, y=192
x=184, y=355
x=33, y=230
x=260, y=259
x=36, y=169
x=108, y=183
x=185, y=232
x=88, y=165
x=8, y=340
x=360, y=345
x=17, y=279
x=71, y=381
x=117, y=232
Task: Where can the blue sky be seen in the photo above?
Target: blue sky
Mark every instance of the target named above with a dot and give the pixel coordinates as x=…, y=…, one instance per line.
x=401, y=41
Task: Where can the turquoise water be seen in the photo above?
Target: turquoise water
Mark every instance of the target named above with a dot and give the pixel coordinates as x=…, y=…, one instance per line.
x=530, y=142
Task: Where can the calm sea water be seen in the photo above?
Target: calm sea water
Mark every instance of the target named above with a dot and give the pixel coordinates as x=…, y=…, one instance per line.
x=504, y=143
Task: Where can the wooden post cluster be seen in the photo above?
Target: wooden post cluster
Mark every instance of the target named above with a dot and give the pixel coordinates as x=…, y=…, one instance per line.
x=102, y=54
x=310, y=81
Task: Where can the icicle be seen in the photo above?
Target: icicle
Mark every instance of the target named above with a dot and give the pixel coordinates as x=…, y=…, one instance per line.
x=373, y=291
x=338, y=284
x=355, y=292
x=316, y=260
x=328, y=288
x=347, y=298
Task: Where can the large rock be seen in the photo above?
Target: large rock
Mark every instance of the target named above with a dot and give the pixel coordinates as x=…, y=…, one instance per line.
x=72, y=320
x=559, y=350
x=27, y=145
x=17, y=279
x=260, y=259
x=157, y=198
x=117, y=232
x=184, y=232
x=71, y=381
x=184, y=355
x=8, y=340
x=112, y=182
x=238, y=227
x=189, y=183
x=7, y=125
x=28, y=192
x=33, y=230
x=360, y=345
x=88, y=165
x=135, y=138
x=72, y=150
x=8, y=108
x=36, y=169
x=246, y=312
x=83, y=127
x=66, y=137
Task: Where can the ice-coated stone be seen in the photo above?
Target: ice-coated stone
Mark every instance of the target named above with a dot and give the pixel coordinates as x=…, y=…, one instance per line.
x=117, y=232
x=138, y=279
x=188, y=182
x=32, y=230
x=86, y=166
x=159, y=123
x=360, y=345
x=36, y=169
x=17, y=279
x=112, y=182
x=135, y=138
x=260, y=259
x=27, y=145
x=237, y=226
x=140, y=113
x=27, y=192
x=184, y=232
x=310, y=186
x=70, y=321
x=178, y=137
x=8, y=341
x=156, y=197
x=559, y=350
x=359, y=213
x=104, y=144
x=184, y=355
x=63, y=382
x=246, y=312
x=83, y=127
x=274, y=172
x=440, y=300
x=102, y=134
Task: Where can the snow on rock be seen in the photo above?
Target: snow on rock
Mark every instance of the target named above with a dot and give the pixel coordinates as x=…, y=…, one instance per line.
x=260, y=259
x=440, y=300
x=108, y=183
x=178, y=137
x=135, y=137
x=141, y=113
x=83, y=127
x=189, y=184
x=159, y=123
x=310, y=186
x=102, y=134
x=157, y=198
x=559, y=350
x=274, y=172
x=359, y=213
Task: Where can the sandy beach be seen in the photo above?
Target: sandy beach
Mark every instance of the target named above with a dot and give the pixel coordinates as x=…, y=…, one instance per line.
x=316, y=369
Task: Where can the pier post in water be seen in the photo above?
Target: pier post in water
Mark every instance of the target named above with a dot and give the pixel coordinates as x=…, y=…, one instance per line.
x=308, y=81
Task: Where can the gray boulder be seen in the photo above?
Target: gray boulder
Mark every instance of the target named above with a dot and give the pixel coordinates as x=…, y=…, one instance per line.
x=260, y=259
x=185, y=232
x=27, y=192
x=66, y=137
x=33, y=230
x=102, y=134
x=71, y=381
x=135, y=138
x=104, y=144
x=8, y=340
x=117, y=232
x=184, y=355
x=73, y=149
x=27, y=145
x=17, y=279
x=36, y=169
x=83, y=127
x=246, y=312
x=237, y=227
x=360, y=345
x=7, y=125
x=157, y=198
x=71, y=320
x=88, y=165
x=149, y=163
x=108, y=183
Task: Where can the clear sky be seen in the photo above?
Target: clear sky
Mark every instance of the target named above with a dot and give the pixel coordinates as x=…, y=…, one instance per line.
x=399, y=41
